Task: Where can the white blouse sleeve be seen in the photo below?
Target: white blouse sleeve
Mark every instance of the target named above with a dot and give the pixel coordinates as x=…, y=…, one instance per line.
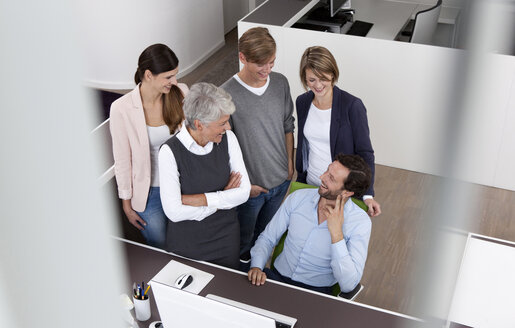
x=171, y=191
x=226, y=199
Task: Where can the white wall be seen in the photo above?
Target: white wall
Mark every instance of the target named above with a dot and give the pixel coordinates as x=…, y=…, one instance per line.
x=234, y=10
x=58, y=266
x=406, y=89
x=115, y=32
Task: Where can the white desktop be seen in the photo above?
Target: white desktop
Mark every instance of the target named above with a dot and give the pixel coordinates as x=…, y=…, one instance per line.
x=180, y=308
x=183, y=307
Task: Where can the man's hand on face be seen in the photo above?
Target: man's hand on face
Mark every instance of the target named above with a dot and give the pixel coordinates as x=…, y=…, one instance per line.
x=335, y=218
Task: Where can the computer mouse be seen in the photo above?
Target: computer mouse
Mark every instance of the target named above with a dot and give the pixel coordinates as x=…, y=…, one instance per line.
x=183, y=281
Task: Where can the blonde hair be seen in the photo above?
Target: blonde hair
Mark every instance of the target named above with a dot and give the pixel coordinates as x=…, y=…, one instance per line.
x=321, y=61
x=257, y=45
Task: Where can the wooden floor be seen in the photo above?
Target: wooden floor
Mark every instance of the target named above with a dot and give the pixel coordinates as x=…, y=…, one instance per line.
x=231, y=43
x=404, y=196
x=390, y=269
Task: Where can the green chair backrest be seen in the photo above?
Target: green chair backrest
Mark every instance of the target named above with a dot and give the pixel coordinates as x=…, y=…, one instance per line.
x=294, y=186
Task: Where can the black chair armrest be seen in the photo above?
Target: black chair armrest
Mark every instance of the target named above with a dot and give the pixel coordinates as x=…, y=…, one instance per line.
x=350, y=295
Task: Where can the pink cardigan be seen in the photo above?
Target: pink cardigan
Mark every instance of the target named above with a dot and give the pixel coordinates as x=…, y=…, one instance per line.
x=131, y=148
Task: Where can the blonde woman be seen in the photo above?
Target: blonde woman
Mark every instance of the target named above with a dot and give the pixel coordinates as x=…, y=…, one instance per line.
x=331, y=121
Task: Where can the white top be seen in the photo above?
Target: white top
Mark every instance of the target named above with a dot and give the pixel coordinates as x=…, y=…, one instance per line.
x=257, y=91
x=171, y=186
x=157, y=135
x=316, y=131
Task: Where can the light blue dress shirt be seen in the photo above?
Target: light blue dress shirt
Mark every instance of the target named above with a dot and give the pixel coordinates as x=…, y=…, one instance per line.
x=309, y=255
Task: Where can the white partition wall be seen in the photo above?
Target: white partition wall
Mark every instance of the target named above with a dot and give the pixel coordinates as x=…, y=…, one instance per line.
x=483, y=296
x=406, y=89
x=115, y=32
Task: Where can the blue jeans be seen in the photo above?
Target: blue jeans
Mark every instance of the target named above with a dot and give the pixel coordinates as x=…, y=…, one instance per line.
x=255, y=214
x=155, y=230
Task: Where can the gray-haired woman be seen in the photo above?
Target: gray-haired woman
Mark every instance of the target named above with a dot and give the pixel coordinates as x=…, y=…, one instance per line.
x=203, y=178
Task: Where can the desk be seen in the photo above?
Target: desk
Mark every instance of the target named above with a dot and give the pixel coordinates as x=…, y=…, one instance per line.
x=448, y=16
x=280, y=12
x=388, y=17
x=310, y=308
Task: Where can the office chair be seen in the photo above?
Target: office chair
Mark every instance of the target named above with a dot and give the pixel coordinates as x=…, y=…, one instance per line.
x=425, y=25
x=336, y=291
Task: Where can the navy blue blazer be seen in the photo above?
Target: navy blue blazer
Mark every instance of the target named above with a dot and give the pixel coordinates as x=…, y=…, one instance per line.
x=349, y=133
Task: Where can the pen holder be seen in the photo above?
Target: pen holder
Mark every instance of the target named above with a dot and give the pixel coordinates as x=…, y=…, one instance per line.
x=142, y=308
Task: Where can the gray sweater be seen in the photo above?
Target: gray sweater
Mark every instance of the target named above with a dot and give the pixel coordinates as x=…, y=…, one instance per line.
x=260, y=124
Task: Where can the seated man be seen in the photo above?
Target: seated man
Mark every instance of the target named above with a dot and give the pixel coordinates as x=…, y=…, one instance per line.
x=328, y=234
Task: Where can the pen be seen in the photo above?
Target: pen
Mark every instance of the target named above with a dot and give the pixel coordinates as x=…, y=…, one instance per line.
x=146, y=291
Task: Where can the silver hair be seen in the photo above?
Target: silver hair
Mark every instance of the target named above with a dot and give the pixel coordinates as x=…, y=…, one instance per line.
x=207, y=103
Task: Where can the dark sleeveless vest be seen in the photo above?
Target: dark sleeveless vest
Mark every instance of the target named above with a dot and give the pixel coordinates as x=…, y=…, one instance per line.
x=216, y=238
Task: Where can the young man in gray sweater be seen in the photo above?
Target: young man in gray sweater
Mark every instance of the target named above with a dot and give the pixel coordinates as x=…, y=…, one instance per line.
x=263, y=124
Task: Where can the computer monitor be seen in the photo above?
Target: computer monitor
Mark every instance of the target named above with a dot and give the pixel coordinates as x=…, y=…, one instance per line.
x=335, y=5
x=179, y=308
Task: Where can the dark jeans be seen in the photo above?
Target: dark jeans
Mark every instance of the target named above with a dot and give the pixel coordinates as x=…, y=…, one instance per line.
x=255, y=214
x=275, y=275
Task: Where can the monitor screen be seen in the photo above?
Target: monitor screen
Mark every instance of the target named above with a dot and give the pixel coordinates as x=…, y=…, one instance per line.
x=179, y=308
x=335, y=5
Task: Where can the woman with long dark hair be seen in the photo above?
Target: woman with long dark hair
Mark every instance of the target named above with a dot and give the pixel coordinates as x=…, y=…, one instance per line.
x=141, y=121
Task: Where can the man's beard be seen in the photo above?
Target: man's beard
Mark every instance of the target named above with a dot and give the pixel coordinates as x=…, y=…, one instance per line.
x=327, y=194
